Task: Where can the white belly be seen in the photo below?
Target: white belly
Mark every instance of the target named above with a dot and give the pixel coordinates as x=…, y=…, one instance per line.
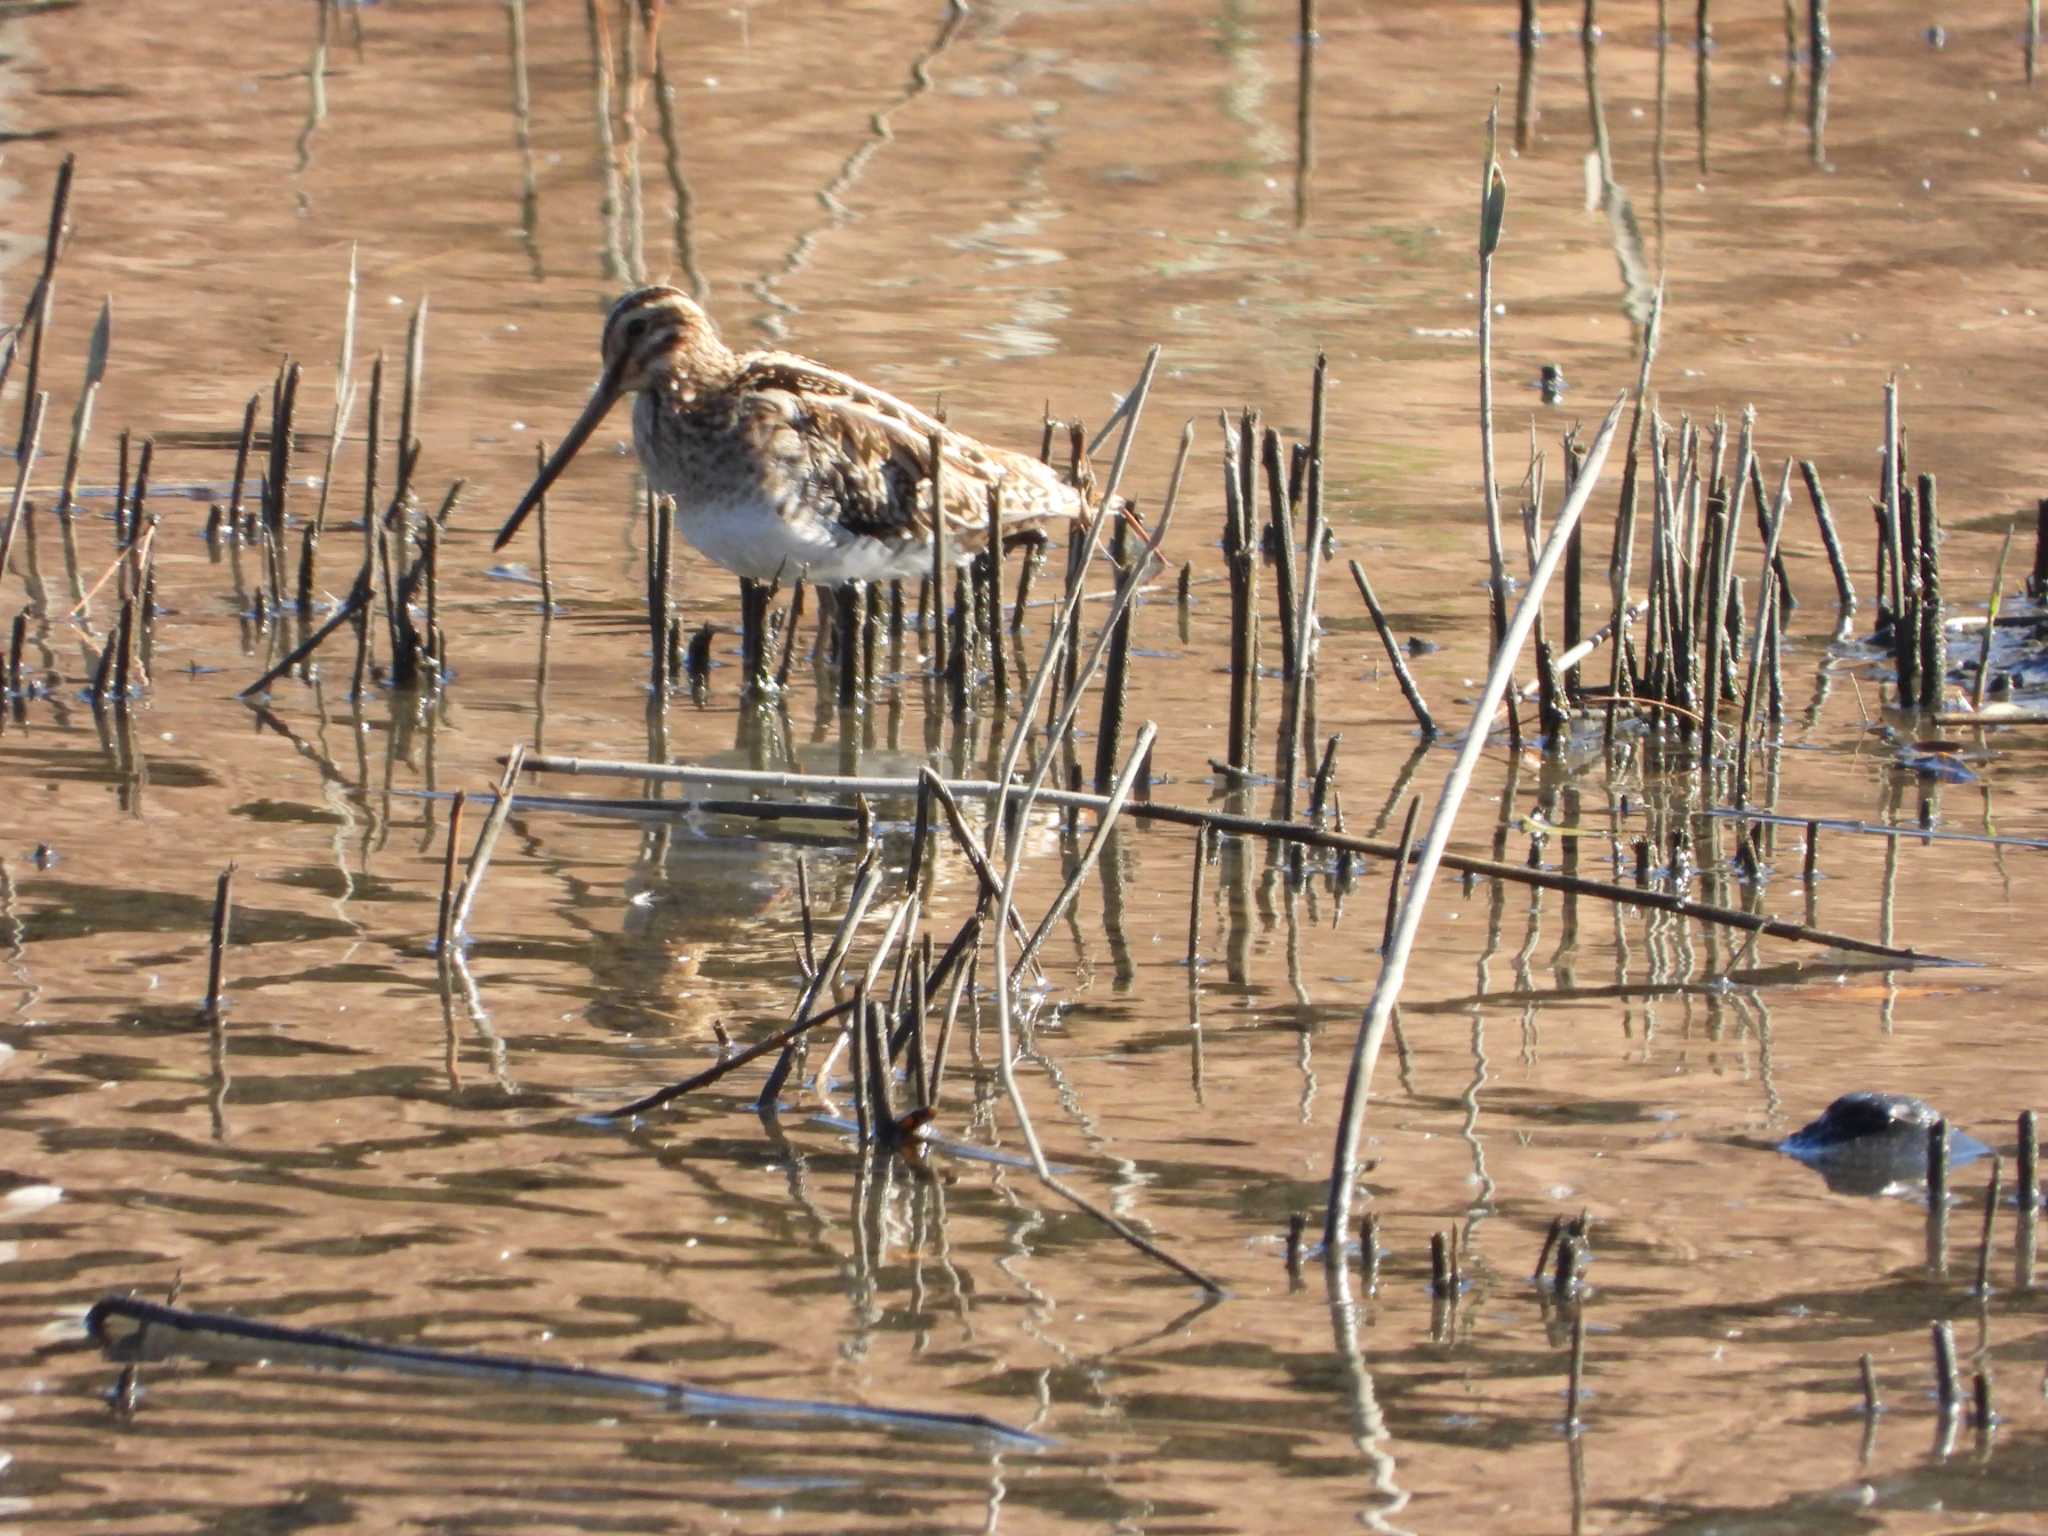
x=753, y=539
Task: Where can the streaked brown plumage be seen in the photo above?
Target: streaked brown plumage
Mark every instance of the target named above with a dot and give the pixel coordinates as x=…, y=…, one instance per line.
x=784, y=468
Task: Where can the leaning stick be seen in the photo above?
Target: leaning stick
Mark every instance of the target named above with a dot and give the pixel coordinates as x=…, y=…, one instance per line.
x=1104, y=824
x=1373, y=1027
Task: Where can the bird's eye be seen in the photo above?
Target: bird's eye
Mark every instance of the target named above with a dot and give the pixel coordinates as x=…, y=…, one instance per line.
x=635, y=329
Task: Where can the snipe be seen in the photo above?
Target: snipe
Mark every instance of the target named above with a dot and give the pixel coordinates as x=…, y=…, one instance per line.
x=783, y=469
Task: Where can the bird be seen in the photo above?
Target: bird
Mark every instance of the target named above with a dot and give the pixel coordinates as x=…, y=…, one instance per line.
x=783, y=469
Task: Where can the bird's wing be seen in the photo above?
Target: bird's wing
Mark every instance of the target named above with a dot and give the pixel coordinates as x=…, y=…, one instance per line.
x=827, y=389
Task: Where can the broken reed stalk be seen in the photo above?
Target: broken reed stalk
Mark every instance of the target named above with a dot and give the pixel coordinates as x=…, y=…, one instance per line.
x=1831, y=541
x=1493, y=202
x=217, y=949
x=1991, y=1193
x=1983, y=681
x=31, y=439
x=1767, y=616
x=901, y=921
x=1195, y=900
x=935, y=635
x=1373, y=1027
x=977, y=860
x=2027, y=1197
x=540, y=521
x=1621, y=560
x=1305, y=641
x=1409, y=691
x=782, y=1039
x=486, y=843
x=1893, y=597
x=1932, y=638
x=1240, y=561
x=1119, y=793
x=660, y=605
x=344, y=406
x=1551, y=1238
x=1116, y=680
x=992, y=606
x=866, y=881
x=1280, y=526
x=1948, y=1387
x=441, y=926
x=328, y=1347
x=53, y=247
x=1403, y=852
x=357, y=601
x=1866, y=1368
x=1937, y=1188
x=1251, y=826
x=963, y=983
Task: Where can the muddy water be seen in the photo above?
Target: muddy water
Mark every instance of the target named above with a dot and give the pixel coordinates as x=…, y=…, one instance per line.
x=1000, y=211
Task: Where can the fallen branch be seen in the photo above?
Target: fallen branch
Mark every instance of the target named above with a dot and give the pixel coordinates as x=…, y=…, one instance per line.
x=161, y=1331
x=1253, y=826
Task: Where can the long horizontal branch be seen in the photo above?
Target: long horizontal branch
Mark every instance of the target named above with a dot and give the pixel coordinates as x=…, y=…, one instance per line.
x=1250, y=826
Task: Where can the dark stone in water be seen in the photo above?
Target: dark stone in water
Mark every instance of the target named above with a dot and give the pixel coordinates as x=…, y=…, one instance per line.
x=1870, y=1143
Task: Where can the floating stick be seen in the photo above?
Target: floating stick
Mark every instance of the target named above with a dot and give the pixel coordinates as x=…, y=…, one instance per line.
x=270, y=1340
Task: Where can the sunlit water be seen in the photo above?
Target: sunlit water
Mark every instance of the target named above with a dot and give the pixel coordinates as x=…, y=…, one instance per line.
x=999, y=211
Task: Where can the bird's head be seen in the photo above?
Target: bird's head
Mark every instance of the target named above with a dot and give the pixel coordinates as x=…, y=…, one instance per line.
x=655, y=338
x=660, y=338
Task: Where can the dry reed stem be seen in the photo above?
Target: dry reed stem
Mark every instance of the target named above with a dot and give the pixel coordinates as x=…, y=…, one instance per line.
x=1373, y=1028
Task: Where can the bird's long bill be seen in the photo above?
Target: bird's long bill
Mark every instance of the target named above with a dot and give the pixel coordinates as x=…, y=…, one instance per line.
x=602, y=399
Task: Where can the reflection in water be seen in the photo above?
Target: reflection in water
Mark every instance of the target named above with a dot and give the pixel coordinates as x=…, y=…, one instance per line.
x=522, y=135
x=316, y=91
x=611, y=207
x=1528, y=38
x=1703, y=53
x=1604, y=192
x=1820, y=57
x=832, y=196
x=1309, y=41
x=679, y=185
x=1369, y=1431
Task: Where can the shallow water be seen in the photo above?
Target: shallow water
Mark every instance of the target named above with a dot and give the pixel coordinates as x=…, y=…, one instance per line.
x=1000, y=212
